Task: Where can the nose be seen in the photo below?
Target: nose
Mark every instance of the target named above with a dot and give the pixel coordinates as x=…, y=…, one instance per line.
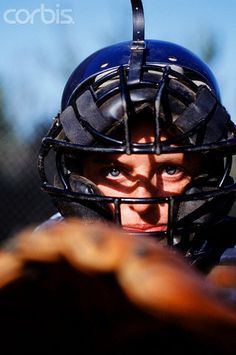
x=143, y=190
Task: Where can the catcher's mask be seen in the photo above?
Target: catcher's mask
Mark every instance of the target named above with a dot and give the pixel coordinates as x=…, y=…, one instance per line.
x=104, y=97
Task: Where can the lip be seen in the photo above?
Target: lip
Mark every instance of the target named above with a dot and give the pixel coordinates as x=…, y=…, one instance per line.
x=145, y=228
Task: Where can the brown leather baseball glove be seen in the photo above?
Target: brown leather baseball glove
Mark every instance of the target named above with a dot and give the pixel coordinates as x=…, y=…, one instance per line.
x=75, y=288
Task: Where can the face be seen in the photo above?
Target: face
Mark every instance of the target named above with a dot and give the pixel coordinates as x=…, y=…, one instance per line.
x=142, y=176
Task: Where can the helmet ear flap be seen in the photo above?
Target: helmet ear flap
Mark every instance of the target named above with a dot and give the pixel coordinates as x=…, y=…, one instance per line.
x=80, y=184
x=85, y=208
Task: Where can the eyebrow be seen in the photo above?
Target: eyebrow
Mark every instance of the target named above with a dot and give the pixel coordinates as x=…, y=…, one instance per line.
x=112, y=161
x=102, y=160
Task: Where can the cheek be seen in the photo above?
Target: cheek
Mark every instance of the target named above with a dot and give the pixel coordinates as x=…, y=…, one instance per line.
x=109, y=191
x=175, y=188
x=161, y=188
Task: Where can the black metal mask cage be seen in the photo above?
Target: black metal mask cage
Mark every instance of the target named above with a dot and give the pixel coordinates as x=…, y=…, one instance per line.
x=197, y=129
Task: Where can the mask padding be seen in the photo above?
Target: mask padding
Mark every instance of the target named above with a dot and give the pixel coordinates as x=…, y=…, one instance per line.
x=203, y=211
x=81, y=126
x=73, y=129
x=205, y=118
x=84, y=209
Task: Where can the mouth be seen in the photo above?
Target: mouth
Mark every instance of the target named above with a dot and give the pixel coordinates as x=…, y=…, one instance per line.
x=144, y=228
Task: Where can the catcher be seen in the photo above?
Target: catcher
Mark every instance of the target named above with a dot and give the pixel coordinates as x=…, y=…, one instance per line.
x=143, y=141
x=141, y=154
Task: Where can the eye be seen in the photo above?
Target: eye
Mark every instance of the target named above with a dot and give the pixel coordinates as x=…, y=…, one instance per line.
x=113, y=172
x=171, y=170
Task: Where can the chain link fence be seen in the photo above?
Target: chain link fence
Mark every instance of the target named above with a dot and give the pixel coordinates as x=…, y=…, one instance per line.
x=22, y=203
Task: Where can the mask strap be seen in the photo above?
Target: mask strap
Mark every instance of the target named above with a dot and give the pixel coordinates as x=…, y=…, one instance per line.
x=138, y=43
